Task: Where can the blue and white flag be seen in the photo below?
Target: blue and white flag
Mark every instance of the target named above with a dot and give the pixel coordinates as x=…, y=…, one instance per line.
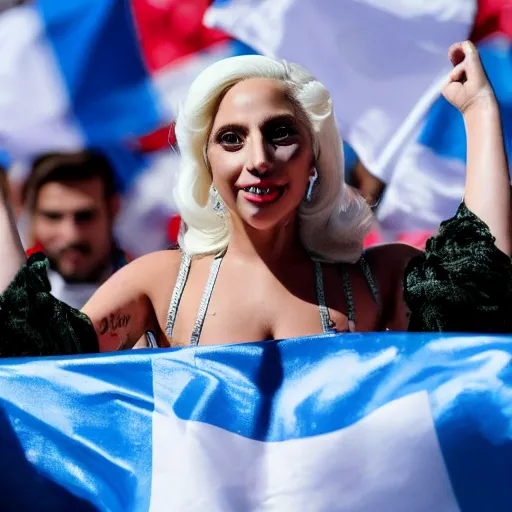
x=360, y=423
x=426, y=184
x=384, y=61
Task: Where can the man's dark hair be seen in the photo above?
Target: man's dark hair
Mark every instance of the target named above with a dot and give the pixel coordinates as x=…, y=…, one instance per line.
x=54, y=167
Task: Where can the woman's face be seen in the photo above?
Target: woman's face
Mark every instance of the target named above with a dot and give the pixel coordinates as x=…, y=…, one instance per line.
x=260, y=153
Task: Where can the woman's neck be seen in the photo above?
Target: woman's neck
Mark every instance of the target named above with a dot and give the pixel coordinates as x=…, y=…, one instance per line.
x=281, y=244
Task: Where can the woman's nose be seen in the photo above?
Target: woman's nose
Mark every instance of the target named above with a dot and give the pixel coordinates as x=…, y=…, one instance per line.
x=259, y=156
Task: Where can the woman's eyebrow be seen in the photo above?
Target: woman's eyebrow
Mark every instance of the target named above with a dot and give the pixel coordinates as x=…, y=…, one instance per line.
x=279, y=118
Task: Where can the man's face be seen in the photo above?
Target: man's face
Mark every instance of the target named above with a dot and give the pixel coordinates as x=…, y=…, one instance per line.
x=73, y=222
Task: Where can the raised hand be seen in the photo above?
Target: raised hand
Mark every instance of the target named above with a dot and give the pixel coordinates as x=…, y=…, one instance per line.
x=468, y=84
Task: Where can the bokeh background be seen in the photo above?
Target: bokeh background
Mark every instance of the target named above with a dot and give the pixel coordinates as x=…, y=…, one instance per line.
x=111, y=74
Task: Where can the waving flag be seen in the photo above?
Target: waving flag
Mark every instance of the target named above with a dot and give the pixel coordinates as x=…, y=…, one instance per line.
x=383, y=60
x=427, y=183
x=89, y=72
x=389, y=422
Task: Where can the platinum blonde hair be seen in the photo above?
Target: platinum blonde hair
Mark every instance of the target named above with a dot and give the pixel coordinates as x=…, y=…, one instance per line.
x=332, y=225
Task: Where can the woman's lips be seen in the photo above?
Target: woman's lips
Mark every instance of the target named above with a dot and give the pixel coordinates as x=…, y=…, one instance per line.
x=262, y=195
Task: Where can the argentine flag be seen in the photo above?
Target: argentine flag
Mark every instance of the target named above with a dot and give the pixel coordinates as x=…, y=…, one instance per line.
x=353, y=423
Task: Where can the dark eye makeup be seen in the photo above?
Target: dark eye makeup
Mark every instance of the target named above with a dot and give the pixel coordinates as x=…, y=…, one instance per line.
x=230, y=135
x=230, y=139
x=279, y=130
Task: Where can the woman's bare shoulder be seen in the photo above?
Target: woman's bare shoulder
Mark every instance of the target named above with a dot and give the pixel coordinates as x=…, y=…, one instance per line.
x=156, y=263
x=145, y=275
x=122, y=309
x=386, y=257
x=388, y=263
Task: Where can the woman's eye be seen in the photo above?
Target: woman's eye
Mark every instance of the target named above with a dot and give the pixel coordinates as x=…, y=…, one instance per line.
x=230, y=139
x=282, y=132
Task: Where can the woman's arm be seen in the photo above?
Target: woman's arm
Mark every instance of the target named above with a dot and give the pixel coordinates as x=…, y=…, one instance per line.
x=463, y=281
x=487, y=190
x=122, y=309
x=34, y=323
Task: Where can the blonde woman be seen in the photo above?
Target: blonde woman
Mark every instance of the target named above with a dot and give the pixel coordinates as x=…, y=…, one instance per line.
x=272, y=245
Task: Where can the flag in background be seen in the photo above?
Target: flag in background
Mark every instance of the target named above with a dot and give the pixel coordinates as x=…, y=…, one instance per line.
x=383, y=61
x=428, y=182
x=111, y=75
x=364, y=422
x=107, y=74
x=97, y=72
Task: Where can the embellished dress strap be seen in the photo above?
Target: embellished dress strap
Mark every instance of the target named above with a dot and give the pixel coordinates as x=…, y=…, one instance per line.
x=177, y=293
x=205, y=300
x=349, y=297
x=325, y=318
x=349, y=293
x=370, y=280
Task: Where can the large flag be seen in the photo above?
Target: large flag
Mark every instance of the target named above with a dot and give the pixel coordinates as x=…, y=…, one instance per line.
x=354, y=423
x=96, y=72
x=384, y=61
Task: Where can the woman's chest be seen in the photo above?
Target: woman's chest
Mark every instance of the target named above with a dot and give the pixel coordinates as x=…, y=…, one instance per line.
x=244, y=306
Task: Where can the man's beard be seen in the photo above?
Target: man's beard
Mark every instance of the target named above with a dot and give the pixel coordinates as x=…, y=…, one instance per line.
x=94, y=275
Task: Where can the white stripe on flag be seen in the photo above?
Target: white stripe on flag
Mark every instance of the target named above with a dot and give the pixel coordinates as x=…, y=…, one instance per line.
x=425, y=189
x=390, y=461
x=148, y=205
x=34, y=106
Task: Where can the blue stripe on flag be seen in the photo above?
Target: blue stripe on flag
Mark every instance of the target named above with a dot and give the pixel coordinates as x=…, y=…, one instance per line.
x=99, y=58
x=240, y=48
x=475, y=434
x=444, y=130
x=5, y=159
x=385, y=368
x=84, y=425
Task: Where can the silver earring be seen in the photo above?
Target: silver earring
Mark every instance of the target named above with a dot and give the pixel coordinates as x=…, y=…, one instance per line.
x=312, y=181
x=218, y=204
